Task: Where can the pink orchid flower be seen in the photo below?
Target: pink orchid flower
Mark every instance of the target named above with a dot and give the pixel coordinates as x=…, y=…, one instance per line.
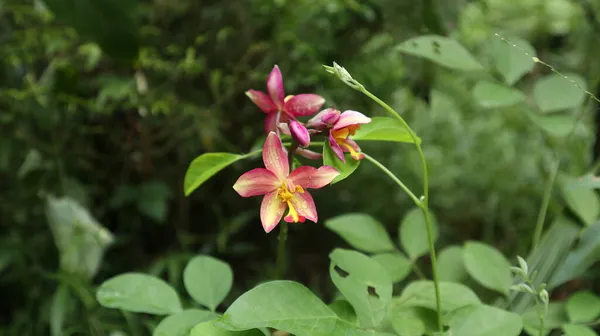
x=280, y=109
x=341, y=126
x=281, y=189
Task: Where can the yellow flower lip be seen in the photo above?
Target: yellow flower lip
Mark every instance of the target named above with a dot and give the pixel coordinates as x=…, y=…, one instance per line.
x=285, y=194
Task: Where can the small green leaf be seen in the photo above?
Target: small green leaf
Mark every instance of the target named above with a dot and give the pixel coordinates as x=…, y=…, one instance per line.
x=441, y=50
x=512, y=63
x=139, y=293
x=345, y=169
x=344, y=310
x=33, y=161
x=554, y=319
x=451, y=266
x=396, y=264
x=364, y=283
x=384, y=129
x=557, y=125
x=361, y=231
x=212, y=328
x=555, y=93
x=413, y=233
x=181, y=323
x=578, y=330
x=421, y=293
x=583, y=307
x=483, y=320
x=487, y=266
x=208, y=280
x=492, y=95
x=583, y=201
x=412, y=321
x=204, y=167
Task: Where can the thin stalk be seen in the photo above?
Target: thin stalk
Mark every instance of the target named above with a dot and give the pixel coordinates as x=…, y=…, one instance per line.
x=539, y=225
x=283, y=233
x=395, y=179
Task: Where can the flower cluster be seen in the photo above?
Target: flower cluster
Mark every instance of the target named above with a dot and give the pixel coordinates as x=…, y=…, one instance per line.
x=284, y=190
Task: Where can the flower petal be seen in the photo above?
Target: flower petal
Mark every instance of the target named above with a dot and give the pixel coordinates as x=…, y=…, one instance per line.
x=354, y=149
x=304, y=205
x=257, y=181
x=271, y=211
x=337, y=150
x=311, y=177
x=261, y=100
x=307, y=153
x=274, y=157
x=304, y=104
x=351, y=118
x=324, y=119
x=271, y=122
x=275, y=87
x=299, y=132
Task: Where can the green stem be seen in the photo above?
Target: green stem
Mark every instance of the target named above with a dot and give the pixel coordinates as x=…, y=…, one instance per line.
x=394, y=178
x=424, y=202
x=283, y=232
x=539, y=225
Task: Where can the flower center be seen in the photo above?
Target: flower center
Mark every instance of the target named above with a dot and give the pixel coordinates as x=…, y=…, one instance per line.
x=285, y=193
x=342, y=134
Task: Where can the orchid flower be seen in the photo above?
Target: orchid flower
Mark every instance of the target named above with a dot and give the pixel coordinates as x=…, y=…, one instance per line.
x=341, y=126
x=280, y=109
x=281, y=189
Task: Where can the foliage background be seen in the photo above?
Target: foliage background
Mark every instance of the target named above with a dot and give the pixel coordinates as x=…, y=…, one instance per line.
x=81, y=119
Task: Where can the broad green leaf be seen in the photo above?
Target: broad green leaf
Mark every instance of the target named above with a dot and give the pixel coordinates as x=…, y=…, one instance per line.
x=557, y=125
x=578, y=330
x=422, y=294
x=287, y=306
x=441, y=50
x=512, y=63
x=583, y=307
x=483, y=320
x=588, y=181
x=204, y=167
x=554, y=93
x=492, y=95
x=364, y=283
x=113, y=24
x=211, y=328
x=583, y=201
x=412, y=321
x=395, y=263
x=581, y=258
x=344, y=310
x=487, y=266
x=80, y=239
x=451, y=266
x=181, y=323
x=361, y=231
x=384, y=129
x=555, y=318
x=207, y=280
x=413, y=233
x=139, y=293
x=345, y=169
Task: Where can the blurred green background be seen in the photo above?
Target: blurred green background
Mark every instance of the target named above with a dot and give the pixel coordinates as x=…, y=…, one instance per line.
x=104, y=104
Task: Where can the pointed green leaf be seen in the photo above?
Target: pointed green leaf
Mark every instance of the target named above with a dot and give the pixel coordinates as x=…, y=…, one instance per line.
x=492, y=95
x=181, y=324
x=554, y=93
x=413, y=233
x=362, y=232
x=483, y=320
x=207, y=280
x=578, y=330
x=396, y=264
x=487, y=266
x=583, y=307
x=583, y=201
x=204, y=167
x=384, y=129
x=512, y=63
x=451, y=266
x=421, y=293
x=139, y=293
x=581, y=258
x=345, y=169
x=441, y=50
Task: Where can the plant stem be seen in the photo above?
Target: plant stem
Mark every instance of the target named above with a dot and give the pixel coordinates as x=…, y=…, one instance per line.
x=283, y=232
x=395, y=179
x=424, y=202
x=539, y=225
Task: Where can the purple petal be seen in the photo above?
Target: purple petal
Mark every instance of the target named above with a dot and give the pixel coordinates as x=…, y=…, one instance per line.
x=313, y=178
x=299, y=132
x=275, y=87
x=324, y=119
x=261, y=100
x=337, y=150
x=274, y=157
x=257, y=181
x=351, y=118
x=304, y=104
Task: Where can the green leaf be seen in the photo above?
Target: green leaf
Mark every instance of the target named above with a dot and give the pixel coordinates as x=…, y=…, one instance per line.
x=207, y=280
x=80, y=239
x=413, y=233
x=578, y=330
x=204, y=167
x=181, y=324
x=361, y=231
x=557, y=125
x=492, y=95
x=451, y=266
x=581, y=258
x=395, y=263
x=364, y=283
x=152, y=200
x=555, y=93
x=62, y=306
x=487, y=266
x=139, y=293
x=287, y=306
x=422, y=294
x=483, y=320
x=345, y=169
x=583, y=201
x=583, y=307
x=555, y=318
x=113, y=24
x=412, y=321
x=344, y=310
x=441, y=50
x=211, y=328
x=512, y=63
x=384, y=129
x=588, y=181
x=33, y=161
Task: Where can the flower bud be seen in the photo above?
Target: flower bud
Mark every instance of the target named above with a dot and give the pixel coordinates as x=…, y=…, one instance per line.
x=299, y=133
x=324, y=119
